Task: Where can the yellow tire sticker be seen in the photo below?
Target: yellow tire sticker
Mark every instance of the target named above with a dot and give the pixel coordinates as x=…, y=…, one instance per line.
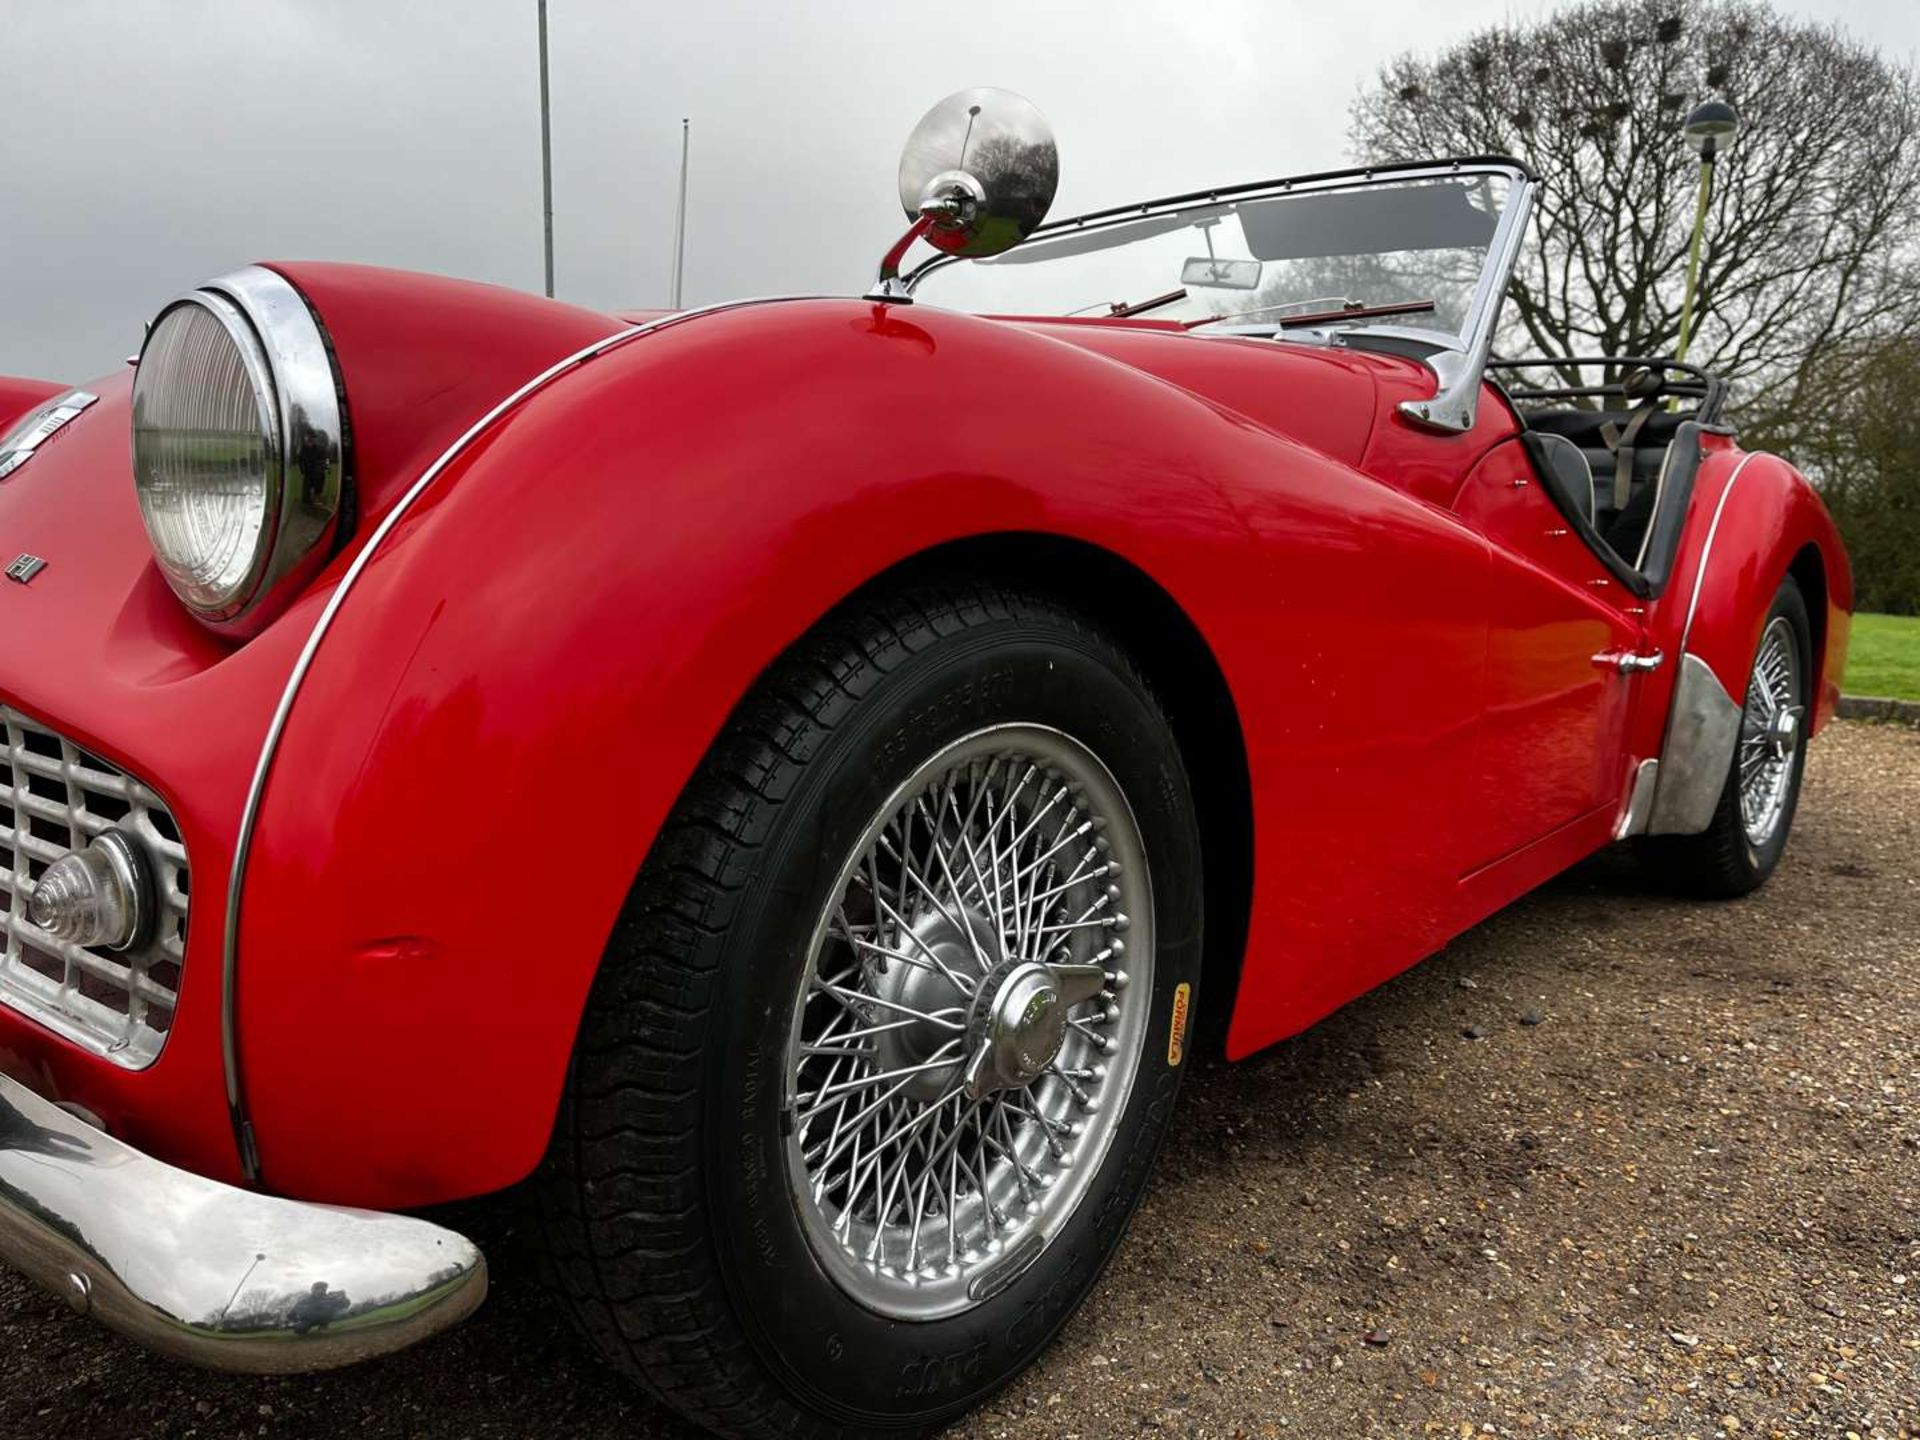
x=1177, y=1040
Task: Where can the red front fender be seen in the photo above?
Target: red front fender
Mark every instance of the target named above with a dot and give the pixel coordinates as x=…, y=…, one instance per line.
x=516, y=693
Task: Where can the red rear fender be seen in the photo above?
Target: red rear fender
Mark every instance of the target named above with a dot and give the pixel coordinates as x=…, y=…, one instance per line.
x=1757, y=523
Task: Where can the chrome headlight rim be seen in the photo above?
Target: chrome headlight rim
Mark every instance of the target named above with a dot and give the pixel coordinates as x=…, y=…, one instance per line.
x=303, y=410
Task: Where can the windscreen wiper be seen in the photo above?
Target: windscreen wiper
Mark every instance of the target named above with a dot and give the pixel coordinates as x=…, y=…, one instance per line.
x=1322, y=317
x=1120, y=311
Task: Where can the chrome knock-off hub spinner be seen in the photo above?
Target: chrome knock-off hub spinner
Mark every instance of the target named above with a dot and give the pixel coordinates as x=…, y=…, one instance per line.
x=1020, y=1022
x=1782, y=731
x=935, y=974
x=1017, y=1031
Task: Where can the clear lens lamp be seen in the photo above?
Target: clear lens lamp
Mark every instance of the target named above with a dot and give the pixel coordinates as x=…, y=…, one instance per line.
x=99, y=896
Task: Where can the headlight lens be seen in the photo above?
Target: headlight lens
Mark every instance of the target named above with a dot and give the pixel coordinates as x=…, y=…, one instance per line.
x=206, y=452
x=238, y=447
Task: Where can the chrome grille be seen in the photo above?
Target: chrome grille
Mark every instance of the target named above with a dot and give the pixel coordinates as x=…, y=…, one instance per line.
x=55, y=797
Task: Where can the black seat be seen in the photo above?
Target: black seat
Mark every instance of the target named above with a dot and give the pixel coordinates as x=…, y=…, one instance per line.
x=1585, y=428
x=1566, y=477
x=1639, y=460
x=1638, y=543
x=1623, y=526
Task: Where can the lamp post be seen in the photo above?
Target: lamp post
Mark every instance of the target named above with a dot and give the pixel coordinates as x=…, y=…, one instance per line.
x=546, y=151
x=680, y=215
x=1709, y=128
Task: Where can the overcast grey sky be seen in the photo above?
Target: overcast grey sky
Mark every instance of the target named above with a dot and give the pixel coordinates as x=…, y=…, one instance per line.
x=145, y=147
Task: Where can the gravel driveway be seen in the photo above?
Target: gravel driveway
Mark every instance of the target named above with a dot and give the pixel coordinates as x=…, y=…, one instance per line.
x=1673, y=1188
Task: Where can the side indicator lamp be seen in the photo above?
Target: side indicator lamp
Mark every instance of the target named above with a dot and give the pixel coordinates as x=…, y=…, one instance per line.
x=99, y=896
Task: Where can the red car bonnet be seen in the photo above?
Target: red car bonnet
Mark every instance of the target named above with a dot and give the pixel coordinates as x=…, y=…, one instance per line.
x=18, y=395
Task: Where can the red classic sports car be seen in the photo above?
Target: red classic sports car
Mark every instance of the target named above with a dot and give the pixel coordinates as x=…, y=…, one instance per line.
x=794, y=780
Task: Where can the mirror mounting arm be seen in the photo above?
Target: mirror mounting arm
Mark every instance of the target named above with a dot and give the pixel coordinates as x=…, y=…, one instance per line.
x=888, y=287
x=948, y=208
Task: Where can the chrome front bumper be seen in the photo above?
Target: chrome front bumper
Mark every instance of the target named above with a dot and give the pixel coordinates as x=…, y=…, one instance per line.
x=218, y=1276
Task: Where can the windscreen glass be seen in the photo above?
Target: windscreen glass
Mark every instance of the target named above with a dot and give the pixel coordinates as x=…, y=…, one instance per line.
x=1305, y=257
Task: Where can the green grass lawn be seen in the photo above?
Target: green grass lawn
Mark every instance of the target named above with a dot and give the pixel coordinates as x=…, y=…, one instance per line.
x=1884, y=658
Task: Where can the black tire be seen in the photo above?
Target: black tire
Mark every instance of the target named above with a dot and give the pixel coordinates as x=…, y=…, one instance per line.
x=672, y=1234
x=1723, y=862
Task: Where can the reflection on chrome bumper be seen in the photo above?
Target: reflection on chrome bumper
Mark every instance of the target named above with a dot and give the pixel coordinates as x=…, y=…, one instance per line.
x=211, y=1274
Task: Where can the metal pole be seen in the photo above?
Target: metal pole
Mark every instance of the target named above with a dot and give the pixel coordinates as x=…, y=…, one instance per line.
x=680, y=216
x=1693, y=254
x=546, y=150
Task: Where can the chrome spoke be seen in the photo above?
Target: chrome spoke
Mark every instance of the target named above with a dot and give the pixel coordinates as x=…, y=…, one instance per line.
x=867, y=1031
x=867, y=1082
x=852, y=999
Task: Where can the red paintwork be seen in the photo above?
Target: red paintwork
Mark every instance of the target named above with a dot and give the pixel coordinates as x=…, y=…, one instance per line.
x=1772, y=513
x=535, y=661
x=424, y=357
x=18, y=396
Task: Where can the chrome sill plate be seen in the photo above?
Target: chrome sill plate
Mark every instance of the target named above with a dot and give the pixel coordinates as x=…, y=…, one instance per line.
x=217, y=1276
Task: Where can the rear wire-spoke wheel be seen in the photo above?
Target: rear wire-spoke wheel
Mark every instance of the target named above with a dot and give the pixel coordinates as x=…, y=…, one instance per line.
x=1770, y=727
x=1748, y=833
x=887, y=1037
x=969, y=1029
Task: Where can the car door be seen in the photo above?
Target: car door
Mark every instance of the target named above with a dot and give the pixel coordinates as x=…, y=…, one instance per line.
x=1552, y=743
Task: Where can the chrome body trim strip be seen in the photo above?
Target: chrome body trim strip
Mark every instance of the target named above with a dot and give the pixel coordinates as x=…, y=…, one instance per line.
x=1633, y=818
x=1702, y=731
x=1703, y=723
x=256, y=790
x=39, y=425
x=210, y=1273
x=1706, y=550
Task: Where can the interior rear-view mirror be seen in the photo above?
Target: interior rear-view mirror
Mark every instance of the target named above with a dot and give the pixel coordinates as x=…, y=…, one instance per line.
x=1206, y=273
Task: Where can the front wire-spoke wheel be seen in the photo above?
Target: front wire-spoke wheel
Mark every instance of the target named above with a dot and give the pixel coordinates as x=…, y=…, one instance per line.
x=886, y=1040
x=969, y=1025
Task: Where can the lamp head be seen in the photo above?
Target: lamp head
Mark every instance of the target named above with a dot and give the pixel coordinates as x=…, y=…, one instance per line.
x=1710, y=128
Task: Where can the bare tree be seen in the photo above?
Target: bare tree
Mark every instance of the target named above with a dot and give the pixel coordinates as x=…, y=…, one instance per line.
x=1815, y=222
x=1863, y=449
